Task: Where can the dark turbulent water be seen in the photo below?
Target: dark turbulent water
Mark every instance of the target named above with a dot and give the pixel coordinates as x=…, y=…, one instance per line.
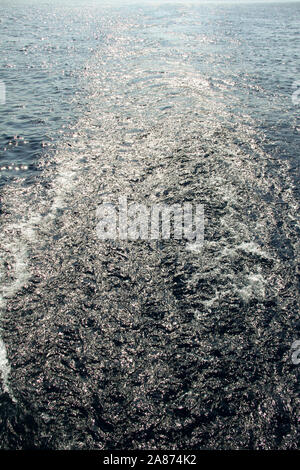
x=139, y=345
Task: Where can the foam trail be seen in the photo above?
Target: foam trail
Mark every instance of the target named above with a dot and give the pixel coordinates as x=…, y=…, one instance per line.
x=21, y=275
x=5, y=368
x=19, y=251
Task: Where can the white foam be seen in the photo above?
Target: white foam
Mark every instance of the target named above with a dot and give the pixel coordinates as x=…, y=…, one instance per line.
x=17, y=252
x=20, y=277
x=246, y=247
x=254, y=288
x=5, y=368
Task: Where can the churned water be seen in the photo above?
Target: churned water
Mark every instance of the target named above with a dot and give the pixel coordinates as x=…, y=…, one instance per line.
x=144, y=344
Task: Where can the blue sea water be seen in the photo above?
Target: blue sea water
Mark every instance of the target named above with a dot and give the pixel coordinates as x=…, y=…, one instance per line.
x=246, y=54
x=146, y=345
